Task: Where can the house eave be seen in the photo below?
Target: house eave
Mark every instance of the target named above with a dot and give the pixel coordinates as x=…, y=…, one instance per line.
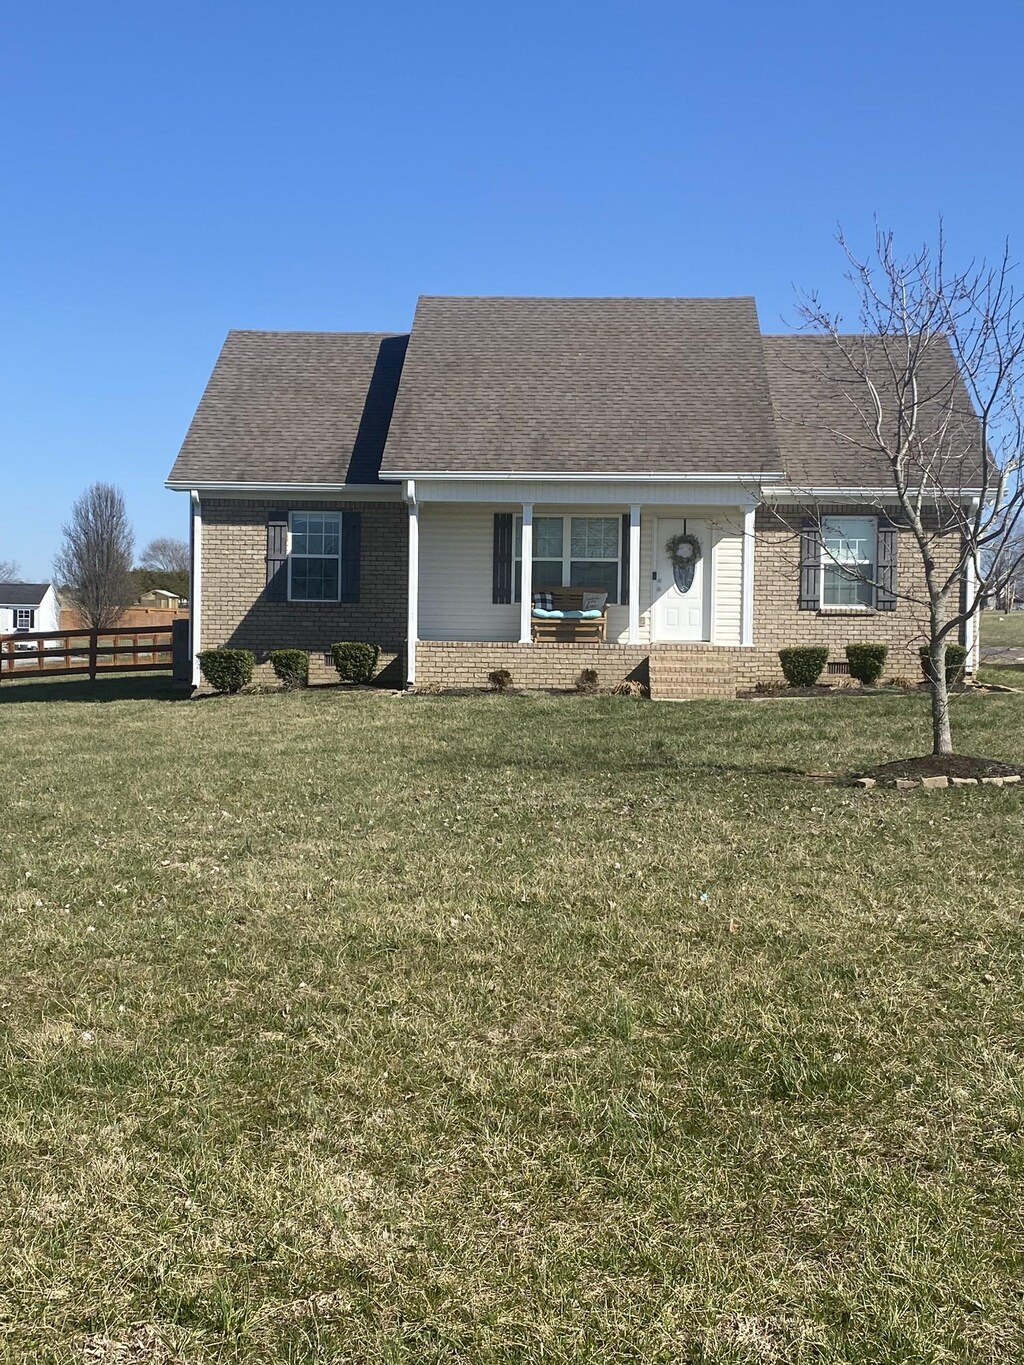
x=836, y=492
x=618, y=476
x=382, y=492
x=604, y=477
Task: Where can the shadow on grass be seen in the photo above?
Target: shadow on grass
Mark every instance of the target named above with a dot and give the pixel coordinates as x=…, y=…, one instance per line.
x=125, y=687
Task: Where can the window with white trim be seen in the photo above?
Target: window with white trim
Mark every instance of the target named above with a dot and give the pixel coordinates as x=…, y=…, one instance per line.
x=314, y=556
x=572, y=552
x=848, y=561
x=23, y=618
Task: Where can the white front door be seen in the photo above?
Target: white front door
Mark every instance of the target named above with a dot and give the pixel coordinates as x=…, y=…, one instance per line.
x=681, y=612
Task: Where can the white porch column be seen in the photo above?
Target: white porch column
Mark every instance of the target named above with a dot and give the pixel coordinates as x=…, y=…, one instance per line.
x=526, y=603
x=195, y=587
x=634, y=575
x=413, y=606
x=747, y=612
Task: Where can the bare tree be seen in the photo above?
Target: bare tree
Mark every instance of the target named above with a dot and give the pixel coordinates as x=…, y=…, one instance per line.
x=931, y=381
x=9, y=570
x=94, y=565
x=166, y=555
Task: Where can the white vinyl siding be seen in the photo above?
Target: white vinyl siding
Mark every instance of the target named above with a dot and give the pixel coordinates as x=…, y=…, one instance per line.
x=727, y=586
x=456, y=565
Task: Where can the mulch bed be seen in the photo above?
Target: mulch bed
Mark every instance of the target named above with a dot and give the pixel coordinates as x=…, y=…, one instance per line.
x=943, y=765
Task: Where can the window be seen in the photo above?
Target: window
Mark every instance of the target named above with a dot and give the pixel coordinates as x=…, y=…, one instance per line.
x=571, y=552
x=314, y=557
x=848, y=562
x=23, y=618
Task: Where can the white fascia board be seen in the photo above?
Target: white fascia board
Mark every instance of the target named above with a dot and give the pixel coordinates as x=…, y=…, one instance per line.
x=620, y=493
x=625, y=476
x=384, y=492
x=788, y=493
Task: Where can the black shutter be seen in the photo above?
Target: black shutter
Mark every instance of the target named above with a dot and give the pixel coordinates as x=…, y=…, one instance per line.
x=501, y=577
x=624, y=592
x=885, y=571
x=810, y=567
x=277, y=557
x=351, y=555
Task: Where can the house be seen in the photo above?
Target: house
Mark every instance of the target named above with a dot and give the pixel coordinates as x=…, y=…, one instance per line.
x=417, y=490
x=28, y=607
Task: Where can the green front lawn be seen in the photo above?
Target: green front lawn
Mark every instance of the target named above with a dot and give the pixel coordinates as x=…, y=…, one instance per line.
x=1002, y=628
x=357, y=1028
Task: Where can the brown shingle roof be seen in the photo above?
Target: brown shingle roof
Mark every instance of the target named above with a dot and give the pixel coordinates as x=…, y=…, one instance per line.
x=820, y=407
x=550, y=385
x=294, y=407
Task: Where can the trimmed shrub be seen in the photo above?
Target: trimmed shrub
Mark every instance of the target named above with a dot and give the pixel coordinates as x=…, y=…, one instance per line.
x=499, y=679
x=587, y=681
x=291, y=666
x=867, y=662
x=956, y=659
x=355, y=661
x=227, y=670
x=802, y=664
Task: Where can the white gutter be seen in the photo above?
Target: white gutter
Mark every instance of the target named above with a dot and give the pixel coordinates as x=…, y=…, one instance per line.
x=195, y=587
x=412, y=623
x=527, y=476
x=331, y=490
x=783, y=491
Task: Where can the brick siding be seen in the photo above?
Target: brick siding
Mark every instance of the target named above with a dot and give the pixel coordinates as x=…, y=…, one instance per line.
x=778, y=621
x=235, y=611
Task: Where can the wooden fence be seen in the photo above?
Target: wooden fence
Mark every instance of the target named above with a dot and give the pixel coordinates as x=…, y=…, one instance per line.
x=131, y=616
x=31, y=654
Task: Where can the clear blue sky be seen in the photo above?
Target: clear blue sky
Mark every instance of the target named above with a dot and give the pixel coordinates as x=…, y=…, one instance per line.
x=172, y=170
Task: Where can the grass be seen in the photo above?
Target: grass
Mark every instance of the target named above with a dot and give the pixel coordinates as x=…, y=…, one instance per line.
x=355, y=1028
x=1002, y=628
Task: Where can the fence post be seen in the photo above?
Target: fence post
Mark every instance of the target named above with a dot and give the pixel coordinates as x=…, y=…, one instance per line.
x=93, y=642
x=181, y=662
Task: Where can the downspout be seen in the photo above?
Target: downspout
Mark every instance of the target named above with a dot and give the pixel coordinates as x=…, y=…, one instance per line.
x=412, y=606
x=195, y=586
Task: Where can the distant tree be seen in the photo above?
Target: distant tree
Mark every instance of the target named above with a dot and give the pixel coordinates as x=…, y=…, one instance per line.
x=9, y=570
x=166, y=555
x=94, y=565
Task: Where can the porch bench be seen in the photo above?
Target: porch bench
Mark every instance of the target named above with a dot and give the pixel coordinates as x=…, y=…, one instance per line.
x=566, y=620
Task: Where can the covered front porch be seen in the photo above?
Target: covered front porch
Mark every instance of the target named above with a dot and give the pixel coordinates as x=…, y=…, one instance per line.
x=480, y=550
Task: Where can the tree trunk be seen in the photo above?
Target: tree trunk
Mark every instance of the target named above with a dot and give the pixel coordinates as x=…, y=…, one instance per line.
x=942, y=739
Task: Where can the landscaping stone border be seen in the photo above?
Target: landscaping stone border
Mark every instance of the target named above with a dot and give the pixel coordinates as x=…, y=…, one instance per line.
x=906, y=784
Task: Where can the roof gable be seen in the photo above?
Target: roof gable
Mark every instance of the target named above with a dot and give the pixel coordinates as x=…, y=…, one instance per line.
x=294, y=407
x=587, y=385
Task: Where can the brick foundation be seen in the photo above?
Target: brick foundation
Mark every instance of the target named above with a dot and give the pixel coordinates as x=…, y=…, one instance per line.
x=457, y=663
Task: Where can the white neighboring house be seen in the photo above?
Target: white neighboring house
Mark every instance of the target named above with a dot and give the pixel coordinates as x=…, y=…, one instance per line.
x=28, y=607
